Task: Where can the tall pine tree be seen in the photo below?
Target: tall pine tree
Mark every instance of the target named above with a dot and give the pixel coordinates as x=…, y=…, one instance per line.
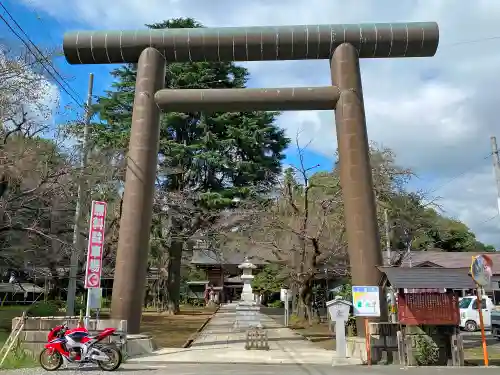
x=215, y=156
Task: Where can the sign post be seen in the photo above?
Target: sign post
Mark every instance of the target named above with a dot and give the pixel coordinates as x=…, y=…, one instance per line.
x=284, y=296
x=338, y=310
x=93, y=267
x=481, y=271
x=366, y=303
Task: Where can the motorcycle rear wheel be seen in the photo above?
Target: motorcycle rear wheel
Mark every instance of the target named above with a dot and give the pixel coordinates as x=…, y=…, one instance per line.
x=115, y=355
x=55, y=359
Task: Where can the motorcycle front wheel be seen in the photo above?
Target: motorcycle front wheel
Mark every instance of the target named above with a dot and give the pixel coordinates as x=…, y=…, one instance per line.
x=50, y=360
x=115, y=358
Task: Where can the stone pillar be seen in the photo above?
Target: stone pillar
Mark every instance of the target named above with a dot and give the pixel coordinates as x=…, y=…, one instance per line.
x=355, y=173
x=135, y=224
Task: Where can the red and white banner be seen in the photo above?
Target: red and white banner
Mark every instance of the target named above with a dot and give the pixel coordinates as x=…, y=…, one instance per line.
x=96, y=244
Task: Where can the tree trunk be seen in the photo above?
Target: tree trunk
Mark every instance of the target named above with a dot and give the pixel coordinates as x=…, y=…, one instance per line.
x=56, y=286
x=305, y=295
x=162, y=293
x=295, y=300
x=174, y=277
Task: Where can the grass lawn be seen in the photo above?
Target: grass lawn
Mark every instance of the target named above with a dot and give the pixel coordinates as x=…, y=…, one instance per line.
x=474, y=355
x=172, y=331
x=17, y=358
x=318, y=333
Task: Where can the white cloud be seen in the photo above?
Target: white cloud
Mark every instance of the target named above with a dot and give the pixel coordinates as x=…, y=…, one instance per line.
x=472, y=198
x=436, y=113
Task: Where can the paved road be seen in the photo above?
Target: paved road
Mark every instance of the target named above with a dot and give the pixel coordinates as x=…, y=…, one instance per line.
x=243, y=369
x=473, y=340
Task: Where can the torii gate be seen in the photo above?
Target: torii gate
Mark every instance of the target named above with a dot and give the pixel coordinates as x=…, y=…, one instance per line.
x=343, y=45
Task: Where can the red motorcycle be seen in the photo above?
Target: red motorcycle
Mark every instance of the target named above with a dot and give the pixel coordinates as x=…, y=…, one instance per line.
x=77, y=346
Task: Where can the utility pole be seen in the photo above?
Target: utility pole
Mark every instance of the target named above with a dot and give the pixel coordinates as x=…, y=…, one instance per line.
x=77, y=248
x=496, y=167
x=387, y=238
x=390, y=289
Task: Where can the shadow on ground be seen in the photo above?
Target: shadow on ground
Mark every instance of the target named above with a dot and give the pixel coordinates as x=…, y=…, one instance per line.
x=272, y=339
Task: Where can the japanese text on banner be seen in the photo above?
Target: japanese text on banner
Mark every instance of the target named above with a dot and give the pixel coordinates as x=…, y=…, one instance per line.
x=95, y=246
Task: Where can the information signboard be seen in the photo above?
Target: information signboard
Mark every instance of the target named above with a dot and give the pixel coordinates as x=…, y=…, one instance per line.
x=366, y=301
x=95, y=298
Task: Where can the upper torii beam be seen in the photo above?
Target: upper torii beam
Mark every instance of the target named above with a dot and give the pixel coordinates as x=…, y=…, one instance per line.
x=309, y=42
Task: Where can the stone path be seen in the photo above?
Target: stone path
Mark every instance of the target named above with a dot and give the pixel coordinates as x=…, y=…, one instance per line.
x=219, y=343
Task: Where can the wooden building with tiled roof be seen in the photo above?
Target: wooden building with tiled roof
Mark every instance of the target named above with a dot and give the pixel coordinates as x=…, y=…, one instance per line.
x=450, y=268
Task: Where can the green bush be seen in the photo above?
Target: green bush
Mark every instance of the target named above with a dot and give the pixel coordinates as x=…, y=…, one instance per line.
x=106, y=302
x=426, y=351
x=352, y=329
x=49, y=308
x=276, y=304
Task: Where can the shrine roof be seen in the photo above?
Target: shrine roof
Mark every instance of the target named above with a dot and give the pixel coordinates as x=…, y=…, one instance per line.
x=213, y=257
x=448, y=259
x=428, y=277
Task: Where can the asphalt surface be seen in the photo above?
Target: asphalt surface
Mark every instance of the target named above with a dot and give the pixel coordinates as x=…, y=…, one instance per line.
x=473, y=340
x=240, y=369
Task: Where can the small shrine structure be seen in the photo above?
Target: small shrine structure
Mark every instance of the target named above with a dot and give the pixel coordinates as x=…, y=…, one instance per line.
x=428, y=313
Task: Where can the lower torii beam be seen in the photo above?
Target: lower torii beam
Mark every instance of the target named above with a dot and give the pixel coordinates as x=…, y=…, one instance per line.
x=242, y=100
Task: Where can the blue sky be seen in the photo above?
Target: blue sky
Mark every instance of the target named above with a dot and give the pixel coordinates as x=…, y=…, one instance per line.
x=437, y=114
x=47, y=32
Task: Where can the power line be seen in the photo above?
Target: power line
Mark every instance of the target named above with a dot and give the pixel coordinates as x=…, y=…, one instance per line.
x=76, y=100
x=41, y=54
x=456, y=177
x=37, y=49
x=472, y=41
x=487, y=220
x=41, y=19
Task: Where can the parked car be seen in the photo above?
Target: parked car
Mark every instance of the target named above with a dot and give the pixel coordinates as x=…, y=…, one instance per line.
x=469, y=313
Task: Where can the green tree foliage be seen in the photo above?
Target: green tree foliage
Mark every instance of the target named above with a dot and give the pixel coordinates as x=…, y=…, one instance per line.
x=269, y=280
x=416, y=223
x=205, y=159
x=219, y=153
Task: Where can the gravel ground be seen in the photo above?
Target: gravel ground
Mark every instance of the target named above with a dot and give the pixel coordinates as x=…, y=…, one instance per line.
x=216, y=369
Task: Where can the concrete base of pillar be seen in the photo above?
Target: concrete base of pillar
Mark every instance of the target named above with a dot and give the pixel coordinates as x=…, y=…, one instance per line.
x=138, y=345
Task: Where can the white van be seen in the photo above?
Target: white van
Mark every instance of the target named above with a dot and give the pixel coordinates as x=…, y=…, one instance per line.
x=469, y=314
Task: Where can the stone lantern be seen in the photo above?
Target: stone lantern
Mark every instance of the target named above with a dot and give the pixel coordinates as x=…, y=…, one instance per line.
x=247, y=277
x=247, y=310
